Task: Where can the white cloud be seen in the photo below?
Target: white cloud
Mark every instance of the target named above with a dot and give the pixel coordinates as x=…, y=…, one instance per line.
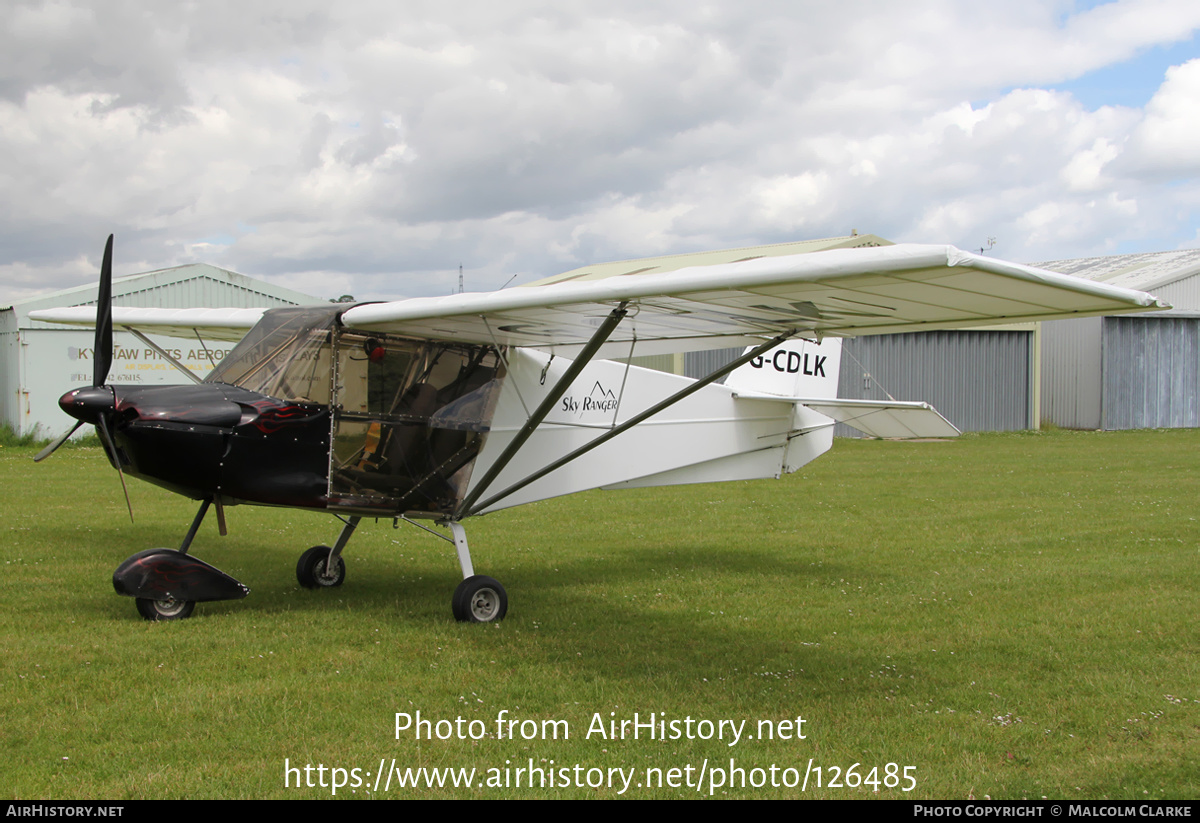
x=376, y=147
x=1083, y=171
x=785, y=201
x=1167, y=140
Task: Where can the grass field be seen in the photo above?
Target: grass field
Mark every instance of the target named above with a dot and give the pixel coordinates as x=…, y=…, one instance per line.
x=1007, y=616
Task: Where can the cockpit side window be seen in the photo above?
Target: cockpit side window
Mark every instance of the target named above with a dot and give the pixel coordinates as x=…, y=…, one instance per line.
x=286, y=356
x=410, y=416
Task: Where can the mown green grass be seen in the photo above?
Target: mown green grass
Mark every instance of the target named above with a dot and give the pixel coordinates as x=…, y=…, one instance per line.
x=1012, y=615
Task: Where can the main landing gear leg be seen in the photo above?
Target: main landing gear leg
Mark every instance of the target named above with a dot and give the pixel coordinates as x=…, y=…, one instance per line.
x=478, y=598
x=322, y=567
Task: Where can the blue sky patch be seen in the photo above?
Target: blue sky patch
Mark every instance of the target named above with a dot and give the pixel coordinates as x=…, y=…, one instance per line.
x=1133, y=82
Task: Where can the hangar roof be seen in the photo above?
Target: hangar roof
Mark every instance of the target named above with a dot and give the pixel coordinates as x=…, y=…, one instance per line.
x=1145, y=272
x=180, y=287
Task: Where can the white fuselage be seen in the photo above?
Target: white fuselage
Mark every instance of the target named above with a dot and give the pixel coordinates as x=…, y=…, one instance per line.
x=709, y=436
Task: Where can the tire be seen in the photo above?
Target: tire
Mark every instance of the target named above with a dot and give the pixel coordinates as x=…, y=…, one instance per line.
x=311, y=573
x=165, y=609
x=479, y=599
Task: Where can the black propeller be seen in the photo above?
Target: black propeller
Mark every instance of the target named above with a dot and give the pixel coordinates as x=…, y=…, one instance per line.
x=102, y=350
x=94, y=404
x=49, y=450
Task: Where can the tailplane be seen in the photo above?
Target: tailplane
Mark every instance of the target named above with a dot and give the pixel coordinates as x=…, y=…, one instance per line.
x=806, y=373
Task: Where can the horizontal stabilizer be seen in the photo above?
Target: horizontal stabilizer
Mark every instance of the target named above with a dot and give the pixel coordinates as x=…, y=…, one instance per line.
x=875, y=418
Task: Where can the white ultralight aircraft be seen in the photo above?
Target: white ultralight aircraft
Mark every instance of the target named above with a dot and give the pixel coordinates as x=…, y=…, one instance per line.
x=444, y=408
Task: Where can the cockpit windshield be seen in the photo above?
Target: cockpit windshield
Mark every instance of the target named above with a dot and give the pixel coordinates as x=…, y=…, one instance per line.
x=286, y=356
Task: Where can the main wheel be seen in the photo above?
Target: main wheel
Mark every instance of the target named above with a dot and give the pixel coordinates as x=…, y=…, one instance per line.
x=311, y=571
x=165, y=609
x=479, y=599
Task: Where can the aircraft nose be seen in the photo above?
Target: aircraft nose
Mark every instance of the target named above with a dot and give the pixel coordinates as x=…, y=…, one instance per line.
x=87, y=404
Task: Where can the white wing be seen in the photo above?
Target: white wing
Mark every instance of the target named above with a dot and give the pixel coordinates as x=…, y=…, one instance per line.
x=211, y=324
x=845, y=292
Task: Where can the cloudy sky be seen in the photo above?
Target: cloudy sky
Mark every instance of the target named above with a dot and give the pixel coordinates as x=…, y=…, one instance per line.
x=374, y=147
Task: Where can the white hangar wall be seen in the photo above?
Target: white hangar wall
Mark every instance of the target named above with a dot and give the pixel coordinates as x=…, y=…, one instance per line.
x=39, y=362
x=1071, y=372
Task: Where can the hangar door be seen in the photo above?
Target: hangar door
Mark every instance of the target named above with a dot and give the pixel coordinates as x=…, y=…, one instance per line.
x=978, y=380
x=1151, y=373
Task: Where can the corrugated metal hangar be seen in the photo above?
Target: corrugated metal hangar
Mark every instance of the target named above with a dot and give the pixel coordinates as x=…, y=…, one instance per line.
x=979, y=379
x=40, y=361
x=1126, y=372
x=1135, y=372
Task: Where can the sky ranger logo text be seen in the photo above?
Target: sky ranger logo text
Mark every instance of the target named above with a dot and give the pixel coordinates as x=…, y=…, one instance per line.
x=598, y=399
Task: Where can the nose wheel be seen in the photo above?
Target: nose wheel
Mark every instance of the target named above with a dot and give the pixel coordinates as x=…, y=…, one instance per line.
x=315, y=571
x=322, y=567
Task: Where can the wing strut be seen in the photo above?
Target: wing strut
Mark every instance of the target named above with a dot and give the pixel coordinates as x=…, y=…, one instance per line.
x=539, y=414
x=611, y=433
x=163, y=353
